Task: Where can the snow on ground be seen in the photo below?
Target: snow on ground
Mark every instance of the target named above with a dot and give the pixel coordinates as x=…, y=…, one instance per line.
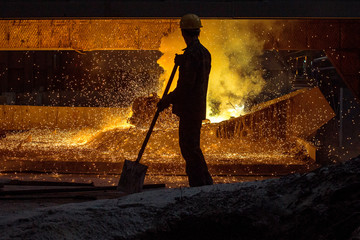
x=323, y=204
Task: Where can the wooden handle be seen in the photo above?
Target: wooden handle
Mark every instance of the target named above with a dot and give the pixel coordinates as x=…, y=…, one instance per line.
x=156, y=115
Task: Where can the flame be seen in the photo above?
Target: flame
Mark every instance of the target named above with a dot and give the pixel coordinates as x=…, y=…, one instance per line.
x=236, y=73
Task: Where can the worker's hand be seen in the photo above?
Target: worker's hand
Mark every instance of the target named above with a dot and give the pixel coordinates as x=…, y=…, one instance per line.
x=179, y=59
x=164, y=103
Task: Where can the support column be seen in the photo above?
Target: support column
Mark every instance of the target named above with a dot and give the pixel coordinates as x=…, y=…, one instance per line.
x=347, y=64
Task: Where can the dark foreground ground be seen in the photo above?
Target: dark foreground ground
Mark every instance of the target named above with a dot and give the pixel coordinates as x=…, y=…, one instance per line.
x=322, y=204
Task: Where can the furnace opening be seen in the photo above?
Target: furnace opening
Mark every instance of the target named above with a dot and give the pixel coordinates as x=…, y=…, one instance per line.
x=270, y=111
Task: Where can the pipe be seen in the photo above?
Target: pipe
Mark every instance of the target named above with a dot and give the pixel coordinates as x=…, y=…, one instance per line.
x=341, y=117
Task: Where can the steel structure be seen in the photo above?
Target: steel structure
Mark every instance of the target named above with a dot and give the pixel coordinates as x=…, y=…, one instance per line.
x=339, y=38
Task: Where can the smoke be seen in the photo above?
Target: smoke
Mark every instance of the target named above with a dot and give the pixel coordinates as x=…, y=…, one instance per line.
x=170, y=45
x=236, y=73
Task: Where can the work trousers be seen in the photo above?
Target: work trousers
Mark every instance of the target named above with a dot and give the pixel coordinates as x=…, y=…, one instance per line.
x=189, y=140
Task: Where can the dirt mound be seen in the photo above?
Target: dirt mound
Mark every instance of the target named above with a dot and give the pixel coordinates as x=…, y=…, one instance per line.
x=323, y=204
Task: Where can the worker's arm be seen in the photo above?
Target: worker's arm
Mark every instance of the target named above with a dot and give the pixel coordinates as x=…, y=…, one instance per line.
x=187, y=78
x=186, y=81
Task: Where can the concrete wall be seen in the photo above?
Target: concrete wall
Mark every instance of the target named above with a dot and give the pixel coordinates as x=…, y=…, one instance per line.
x=14, y=117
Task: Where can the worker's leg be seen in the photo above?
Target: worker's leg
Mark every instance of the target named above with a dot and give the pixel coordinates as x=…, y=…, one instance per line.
x=189, y=139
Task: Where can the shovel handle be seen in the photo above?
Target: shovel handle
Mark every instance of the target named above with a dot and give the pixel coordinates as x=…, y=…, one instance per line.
x=156, y=115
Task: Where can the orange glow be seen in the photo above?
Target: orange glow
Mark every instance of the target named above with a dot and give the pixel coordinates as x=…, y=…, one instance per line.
x=236, y=76
x=113, y=122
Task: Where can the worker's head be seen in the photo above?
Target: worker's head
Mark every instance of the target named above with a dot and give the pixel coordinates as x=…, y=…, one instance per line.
x=190, y=25
x=190, y=21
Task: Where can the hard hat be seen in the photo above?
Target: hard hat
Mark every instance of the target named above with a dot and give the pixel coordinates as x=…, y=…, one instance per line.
x=190, y=21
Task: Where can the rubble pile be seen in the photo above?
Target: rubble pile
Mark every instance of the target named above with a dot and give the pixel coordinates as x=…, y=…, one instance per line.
x=322, y=204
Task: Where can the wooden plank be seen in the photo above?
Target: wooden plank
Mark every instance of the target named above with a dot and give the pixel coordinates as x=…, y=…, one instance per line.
x=47, y=183
x=73, y=189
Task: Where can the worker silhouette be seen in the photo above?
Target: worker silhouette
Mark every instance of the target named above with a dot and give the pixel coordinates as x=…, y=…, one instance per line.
x=189, y=99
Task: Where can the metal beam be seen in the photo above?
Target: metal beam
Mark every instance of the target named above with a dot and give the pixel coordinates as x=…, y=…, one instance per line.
x=295, y=115
x=146, y=34
x=84, y=34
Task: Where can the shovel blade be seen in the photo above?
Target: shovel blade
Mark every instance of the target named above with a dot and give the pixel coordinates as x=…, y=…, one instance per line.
x=132, y=177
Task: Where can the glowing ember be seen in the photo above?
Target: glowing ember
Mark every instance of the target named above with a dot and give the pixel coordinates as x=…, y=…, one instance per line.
x=85, y=135
x=235, y=79
x=105, y=152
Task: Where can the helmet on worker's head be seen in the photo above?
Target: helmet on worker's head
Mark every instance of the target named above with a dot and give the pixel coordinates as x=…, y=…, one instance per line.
x=190, y=21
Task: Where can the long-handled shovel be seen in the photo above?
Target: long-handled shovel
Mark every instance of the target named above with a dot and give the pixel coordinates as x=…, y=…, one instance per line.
x=133, y=173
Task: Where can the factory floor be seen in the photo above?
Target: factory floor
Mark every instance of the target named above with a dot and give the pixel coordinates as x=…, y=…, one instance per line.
x=26, y=191
x=39, y=158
